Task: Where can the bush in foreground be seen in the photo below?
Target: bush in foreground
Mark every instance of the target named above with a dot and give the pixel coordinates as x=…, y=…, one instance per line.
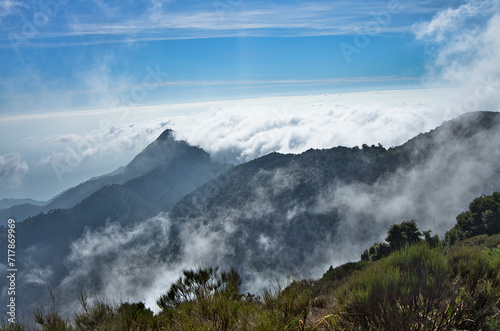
x=422, y=288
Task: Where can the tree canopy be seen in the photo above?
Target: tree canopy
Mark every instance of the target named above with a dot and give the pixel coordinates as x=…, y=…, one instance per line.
x=483, y=217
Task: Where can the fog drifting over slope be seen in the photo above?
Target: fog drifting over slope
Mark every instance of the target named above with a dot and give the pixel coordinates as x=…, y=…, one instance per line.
x=135, y=263
x=130, y=262
x=433, y=193
x=463, y=75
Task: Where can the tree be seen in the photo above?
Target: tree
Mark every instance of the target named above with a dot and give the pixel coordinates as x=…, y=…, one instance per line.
x=376, y=252
x=433, y=241
x=399, y=235
x=483, y=217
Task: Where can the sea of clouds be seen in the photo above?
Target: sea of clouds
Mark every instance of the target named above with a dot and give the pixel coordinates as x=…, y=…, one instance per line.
x=463, y=76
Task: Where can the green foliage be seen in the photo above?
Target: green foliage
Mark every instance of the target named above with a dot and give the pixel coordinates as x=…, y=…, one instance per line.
x=422, y=288
x=433, y=241
x=395, y=290
x=205, y=299
x=49, y=318
x=286, y=308
x=419, y=285
x=343, y=271
x=105, y=316
x=376, y=252
x=483, y=217
x=20, y=325
x=201, y=284
x=399, y=235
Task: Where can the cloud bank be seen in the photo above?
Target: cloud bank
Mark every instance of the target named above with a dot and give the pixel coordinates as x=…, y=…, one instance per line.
x=464, y=43
x=12, y=170
x=463, y=68
x=267, y=239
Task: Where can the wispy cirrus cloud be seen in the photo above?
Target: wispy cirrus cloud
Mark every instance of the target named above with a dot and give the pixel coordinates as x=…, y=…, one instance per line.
x=209, y=20
x=7, y=7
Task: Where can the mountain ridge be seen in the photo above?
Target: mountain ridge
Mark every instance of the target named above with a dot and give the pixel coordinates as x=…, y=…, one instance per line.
x=299, y=196
x=152, y=156
x=293, y=214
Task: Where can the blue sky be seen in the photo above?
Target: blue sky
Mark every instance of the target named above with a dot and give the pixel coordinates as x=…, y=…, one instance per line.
x=86, y=84
x=71, y=54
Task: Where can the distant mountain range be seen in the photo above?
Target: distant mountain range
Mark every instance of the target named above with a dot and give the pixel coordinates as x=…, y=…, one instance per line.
x=299, y=212
x=162, y=156
x=152, y=182
x=276, y=216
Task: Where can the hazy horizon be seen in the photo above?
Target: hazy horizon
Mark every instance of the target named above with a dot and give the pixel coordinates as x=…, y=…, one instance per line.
x=87, y=86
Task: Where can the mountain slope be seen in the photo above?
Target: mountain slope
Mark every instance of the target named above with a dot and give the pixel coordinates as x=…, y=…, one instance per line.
x=7, y=203
x=158, y=177
x=295, y=215
x=298, y=212
x=276, y=216
x=164, y=152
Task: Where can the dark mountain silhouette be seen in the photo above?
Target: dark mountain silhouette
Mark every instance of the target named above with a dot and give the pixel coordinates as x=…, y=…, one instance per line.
x=275, y=216
x=152, y=182
x=7, y=203
x=296, y=212
x=162, y=153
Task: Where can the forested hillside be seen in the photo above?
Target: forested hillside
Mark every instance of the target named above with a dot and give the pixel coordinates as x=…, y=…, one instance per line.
x=276, y=217
x=421, y=283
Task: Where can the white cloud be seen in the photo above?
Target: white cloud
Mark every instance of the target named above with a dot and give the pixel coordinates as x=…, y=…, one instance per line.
x=133, y=263
x=246, y=129
x=7, y=7
x=108, y=140
x=433, y=193
x=465, y=43
x=450, y=21
x=237, y=131
x=12, y=170
x=232, y=18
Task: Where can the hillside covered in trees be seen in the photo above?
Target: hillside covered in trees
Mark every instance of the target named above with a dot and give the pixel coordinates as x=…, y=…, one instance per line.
x=277, y=217
x=412, y=281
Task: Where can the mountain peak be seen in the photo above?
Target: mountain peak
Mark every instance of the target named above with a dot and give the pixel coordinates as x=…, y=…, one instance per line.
x=163, y=151
x=167, y=135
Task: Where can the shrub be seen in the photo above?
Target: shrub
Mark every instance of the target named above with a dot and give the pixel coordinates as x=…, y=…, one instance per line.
x=201, y=284
x=483, y=217
x=286, y=308
x=422, y=288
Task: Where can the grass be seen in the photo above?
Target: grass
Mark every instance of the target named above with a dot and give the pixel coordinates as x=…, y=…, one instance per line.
x=418, y=287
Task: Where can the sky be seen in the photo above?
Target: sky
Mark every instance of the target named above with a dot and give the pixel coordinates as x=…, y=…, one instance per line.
x=86, y=85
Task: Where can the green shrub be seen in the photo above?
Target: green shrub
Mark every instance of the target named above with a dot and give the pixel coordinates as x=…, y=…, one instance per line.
x=20, y=325
x=201, y=284
x=422, y=288
x=205, y=299
x=483, y=217
x=95, y=316
x=48, y=317
x=286, y=308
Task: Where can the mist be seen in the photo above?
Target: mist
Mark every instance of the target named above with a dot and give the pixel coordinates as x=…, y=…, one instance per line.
x=267, y=237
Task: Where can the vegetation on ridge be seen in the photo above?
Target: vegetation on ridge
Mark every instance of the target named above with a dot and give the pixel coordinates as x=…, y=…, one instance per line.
x=413, y=283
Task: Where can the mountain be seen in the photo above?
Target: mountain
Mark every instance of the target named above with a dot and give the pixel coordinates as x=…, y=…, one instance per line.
x=151, y=183
x=285, y=215
x=164, y=152
x=7, y=203
x=297, y=212
x=19, y=209
x=277, y=216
